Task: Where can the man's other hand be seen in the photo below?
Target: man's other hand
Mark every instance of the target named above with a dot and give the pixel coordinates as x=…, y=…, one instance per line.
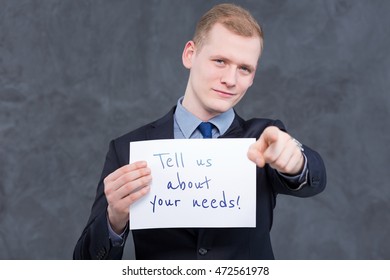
x=279, y=150
x=122, y=188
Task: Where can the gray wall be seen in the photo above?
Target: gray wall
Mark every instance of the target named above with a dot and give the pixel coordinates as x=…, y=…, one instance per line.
x=75, y=74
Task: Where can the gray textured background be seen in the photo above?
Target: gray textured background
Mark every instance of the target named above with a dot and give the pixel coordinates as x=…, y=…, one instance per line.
x=75, y=74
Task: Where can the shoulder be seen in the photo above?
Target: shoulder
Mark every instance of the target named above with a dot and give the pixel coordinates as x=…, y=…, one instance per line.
x=119, y=147
x=160, y=128
x=255, y=126
x=262, y=123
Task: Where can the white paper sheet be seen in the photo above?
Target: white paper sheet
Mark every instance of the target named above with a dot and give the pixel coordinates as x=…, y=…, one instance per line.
x=196, y=183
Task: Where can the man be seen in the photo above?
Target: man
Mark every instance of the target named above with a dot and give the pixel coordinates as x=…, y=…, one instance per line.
x=222, y=59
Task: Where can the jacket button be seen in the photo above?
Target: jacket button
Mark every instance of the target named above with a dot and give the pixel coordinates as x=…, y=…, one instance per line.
x=315, y=180
x=202, y=251
x=100, y=255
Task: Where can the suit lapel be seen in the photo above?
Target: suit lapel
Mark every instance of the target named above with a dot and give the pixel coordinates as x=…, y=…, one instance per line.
x=162, y=128
x=236, y=129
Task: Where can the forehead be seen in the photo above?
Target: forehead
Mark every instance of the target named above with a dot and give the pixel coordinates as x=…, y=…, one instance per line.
x=222, y=42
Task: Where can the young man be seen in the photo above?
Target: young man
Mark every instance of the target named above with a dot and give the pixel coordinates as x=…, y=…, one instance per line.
x=222, y=59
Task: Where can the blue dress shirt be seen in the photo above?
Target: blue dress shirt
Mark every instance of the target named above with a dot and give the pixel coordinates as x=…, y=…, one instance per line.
x=186, y=124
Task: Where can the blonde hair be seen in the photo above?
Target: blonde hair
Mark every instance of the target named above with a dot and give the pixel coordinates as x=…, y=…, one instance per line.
x=233, y=17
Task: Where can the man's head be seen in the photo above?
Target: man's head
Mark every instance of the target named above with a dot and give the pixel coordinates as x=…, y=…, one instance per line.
x=222, y=60
x=232, y=17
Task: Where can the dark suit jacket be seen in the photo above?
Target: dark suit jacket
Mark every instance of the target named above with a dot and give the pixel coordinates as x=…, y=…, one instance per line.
x=209, y=243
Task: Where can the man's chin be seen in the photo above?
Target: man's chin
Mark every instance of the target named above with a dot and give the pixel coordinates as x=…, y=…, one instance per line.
x=221, y=108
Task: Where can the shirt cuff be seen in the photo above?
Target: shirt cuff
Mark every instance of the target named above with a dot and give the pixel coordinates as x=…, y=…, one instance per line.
x=117, y=240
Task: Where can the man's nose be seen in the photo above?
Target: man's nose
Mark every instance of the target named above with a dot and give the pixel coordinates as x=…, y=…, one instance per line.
x=229, y=76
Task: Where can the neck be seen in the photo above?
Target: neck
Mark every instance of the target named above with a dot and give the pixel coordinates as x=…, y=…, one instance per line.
x=193, y=107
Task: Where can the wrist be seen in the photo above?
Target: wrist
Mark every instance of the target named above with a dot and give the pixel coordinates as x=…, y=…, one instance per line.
x=118, y=225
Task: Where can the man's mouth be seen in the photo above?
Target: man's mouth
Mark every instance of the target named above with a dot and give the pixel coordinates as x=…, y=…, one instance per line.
x=224, y=93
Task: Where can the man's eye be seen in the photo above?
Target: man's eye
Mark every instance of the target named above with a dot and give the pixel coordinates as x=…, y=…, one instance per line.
x=219, y=61
x=245, y=69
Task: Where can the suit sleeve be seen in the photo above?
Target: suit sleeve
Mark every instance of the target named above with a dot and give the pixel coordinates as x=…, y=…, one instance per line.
x=315, y=178
x=94, y=242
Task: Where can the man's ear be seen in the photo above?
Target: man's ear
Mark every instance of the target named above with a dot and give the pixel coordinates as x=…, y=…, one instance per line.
x=188, y=53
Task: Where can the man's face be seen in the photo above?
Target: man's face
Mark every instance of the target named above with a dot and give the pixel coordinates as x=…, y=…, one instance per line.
x=220, y=72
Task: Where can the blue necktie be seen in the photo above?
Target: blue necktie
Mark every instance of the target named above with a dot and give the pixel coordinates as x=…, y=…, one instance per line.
x=205, y=129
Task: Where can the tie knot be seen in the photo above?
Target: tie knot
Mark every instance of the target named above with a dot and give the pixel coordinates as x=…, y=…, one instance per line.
x=205, y=128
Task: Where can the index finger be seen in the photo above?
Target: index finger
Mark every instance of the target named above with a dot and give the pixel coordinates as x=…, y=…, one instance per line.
x=125, y=169
x=267, y=138
x=270, y=135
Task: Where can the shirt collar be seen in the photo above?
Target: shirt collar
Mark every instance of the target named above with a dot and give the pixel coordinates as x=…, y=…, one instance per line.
x=188, y=123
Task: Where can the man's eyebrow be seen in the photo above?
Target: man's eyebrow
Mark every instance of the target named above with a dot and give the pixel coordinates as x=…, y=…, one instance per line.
x=218, y=56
